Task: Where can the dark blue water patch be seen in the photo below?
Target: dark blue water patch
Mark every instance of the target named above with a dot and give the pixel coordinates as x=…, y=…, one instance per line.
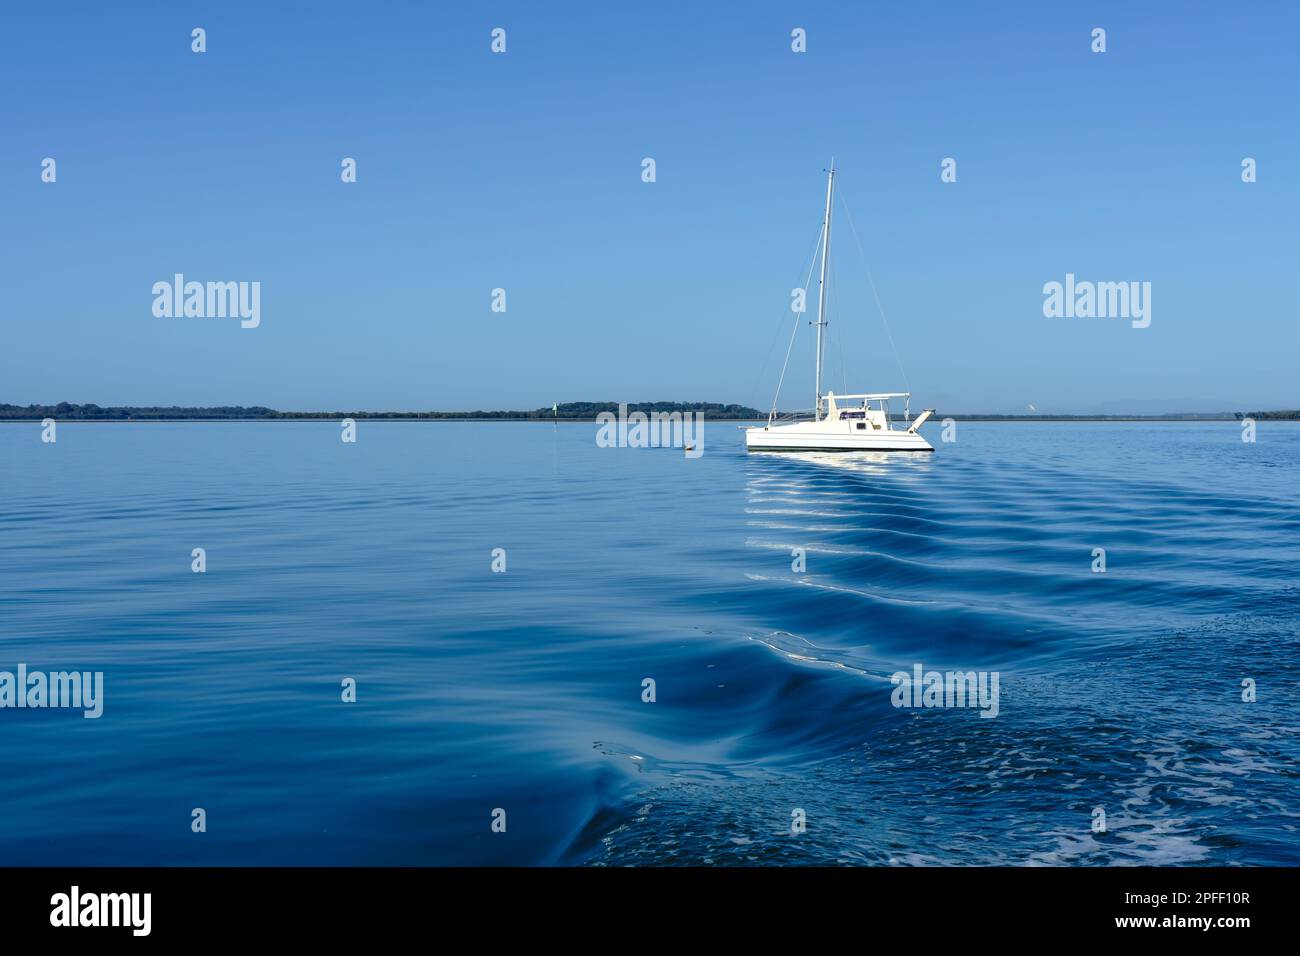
x=1158, y=738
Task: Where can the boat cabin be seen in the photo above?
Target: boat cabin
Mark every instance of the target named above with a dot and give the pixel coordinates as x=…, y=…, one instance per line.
x=869, y=412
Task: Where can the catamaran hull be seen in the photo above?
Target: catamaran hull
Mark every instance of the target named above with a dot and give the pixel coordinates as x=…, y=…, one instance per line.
x=804, y=438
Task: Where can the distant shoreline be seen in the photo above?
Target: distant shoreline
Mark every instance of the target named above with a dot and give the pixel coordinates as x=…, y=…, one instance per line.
x=1007, y=419
x=585, y=412
x=976, y=419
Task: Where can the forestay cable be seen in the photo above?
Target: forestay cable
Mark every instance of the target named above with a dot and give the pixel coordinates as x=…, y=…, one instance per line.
x=888, y=332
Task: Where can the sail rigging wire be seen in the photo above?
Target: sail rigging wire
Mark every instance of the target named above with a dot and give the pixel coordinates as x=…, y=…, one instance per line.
x=793, y=332
x=777, y=331
x=885, y=321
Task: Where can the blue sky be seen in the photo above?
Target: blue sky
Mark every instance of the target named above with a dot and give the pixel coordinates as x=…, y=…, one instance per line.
x=523, y=171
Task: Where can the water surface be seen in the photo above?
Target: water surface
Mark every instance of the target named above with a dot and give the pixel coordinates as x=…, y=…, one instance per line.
x=523, y=690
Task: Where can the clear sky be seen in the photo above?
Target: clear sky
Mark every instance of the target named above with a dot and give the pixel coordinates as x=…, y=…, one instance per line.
x=523, y=171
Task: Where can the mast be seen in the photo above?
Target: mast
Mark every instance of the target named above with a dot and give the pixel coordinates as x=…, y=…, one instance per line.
x=821, y=288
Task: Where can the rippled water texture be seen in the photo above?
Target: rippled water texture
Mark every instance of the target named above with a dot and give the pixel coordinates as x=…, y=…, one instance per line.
x=523, y=690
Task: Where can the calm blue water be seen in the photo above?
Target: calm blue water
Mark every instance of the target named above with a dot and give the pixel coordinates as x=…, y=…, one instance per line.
x=522, y=690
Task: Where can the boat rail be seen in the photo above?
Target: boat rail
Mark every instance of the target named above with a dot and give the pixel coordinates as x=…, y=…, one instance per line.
x=791, y=418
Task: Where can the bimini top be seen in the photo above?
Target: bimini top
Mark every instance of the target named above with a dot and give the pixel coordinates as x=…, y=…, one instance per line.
x=872, y=396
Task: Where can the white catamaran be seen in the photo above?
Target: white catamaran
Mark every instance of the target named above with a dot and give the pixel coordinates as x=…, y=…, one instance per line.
x=840, y=422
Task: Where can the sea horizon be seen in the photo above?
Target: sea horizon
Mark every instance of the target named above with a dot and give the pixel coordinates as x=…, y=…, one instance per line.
x=564, y=413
